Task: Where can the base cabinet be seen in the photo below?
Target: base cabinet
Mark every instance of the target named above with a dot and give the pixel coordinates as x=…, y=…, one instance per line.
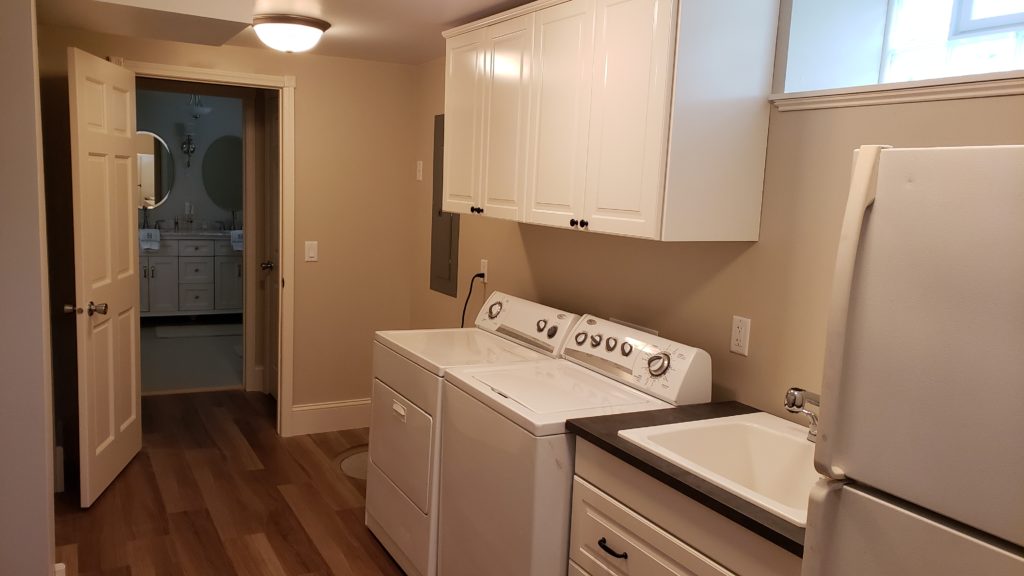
x=189, y=277
x=626, y=523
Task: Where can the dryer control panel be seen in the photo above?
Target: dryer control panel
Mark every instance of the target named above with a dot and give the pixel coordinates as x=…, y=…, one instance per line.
x=670, y=371
x=533, y=325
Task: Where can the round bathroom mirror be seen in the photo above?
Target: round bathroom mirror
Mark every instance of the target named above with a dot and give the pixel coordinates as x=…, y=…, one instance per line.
x=156, y=169
x=222, y=172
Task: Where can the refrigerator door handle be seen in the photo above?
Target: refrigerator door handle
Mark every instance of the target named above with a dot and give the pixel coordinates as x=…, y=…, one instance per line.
x=863, y=184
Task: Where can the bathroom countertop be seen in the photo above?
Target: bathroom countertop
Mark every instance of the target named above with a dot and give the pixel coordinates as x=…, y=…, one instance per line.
x=196, y=235
x=603, y=432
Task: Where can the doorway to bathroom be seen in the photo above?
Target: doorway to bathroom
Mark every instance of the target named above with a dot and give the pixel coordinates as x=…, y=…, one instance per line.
x=207, y=165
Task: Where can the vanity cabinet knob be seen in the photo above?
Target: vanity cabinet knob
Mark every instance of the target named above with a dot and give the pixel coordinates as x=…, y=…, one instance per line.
x=584, y=223
x=574, y=222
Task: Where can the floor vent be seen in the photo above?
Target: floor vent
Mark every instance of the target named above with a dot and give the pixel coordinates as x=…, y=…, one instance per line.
x=353, y=463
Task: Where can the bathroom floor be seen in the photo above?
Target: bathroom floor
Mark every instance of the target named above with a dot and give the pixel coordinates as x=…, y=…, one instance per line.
x=187, y=357
x=216, y=491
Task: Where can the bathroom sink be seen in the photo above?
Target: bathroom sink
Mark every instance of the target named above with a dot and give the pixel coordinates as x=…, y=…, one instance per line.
x=761, y=458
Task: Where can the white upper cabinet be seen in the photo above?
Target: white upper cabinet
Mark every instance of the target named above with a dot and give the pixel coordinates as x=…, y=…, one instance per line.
x=563, y=50
x=463, y=114
x=645, y=118
x=629, y=116
x=487, y=105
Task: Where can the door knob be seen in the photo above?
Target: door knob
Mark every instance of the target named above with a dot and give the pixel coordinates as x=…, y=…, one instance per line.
x=94, y=308
x=268, y=265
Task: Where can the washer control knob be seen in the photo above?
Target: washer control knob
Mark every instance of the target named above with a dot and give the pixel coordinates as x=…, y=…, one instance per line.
x=657, y=364
x=610, y=343
x=595, y=340
x=541, y=325
x=627, y=348
x=552, y=330
x=494, y=310
x=581, y=338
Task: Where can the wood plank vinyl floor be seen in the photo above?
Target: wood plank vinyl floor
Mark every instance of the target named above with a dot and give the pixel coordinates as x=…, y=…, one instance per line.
x=216, y=492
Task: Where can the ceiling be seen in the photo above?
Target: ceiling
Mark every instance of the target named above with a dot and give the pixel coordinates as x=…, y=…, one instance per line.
x=405, y=31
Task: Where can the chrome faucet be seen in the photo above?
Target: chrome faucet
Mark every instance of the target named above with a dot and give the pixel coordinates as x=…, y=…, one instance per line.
x=795, y=400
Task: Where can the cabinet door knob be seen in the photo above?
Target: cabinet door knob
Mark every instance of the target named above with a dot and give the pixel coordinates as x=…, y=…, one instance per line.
x=584, y=223
x=573, y=222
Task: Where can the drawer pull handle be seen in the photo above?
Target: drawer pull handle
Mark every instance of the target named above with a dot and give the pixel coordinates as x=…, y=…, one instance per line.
x=399, y=410
x=603, y=543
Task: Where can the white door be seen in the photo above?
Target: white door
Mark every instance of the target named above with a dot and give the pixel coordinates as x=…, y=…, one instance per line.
x=102, y=115
x=630, y=104
x=463, y=121
x=506, y=108
x=560, y=113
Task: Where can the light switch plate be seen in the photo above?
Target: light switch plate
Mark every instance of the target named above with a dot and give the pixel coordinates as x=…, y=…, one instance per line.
x=312, y=251
x=419, y=170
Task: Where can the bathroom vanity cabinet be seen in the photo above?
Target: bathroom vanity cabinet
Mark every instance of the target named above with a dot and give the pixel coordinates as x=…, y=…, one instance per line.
x=191, y=276
x=612, y=116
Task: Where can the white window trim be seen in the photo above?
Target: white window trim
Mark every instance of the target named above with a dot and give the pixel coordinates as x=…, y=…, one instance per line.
x=957, y=88
x=962, y=25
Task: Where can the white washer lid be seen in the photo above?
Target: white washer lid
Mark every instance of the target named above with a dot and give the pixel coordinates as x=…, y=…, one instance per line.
x=436, y=350
x=540, y=396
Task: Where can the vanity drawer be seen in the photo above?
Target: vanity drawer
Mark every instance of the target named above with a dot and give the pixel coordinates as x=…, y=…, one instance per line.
x=195, y=297
x=195, y=270
x=223, y=248
x=649, y=550
x=195, y=248
x=167, y=248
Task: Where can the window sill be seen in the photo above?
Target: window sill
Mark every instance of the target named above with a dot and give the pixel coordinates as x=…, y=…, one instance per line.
x=975, y=86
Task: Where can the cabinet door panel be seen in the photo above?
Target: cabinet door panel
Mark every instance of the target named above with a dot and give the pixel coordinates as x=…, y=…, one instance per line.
x=463, y=115
x=629, y=116
x=163, y=283
x=560, y=112
x=506, y=110
x=228, y=283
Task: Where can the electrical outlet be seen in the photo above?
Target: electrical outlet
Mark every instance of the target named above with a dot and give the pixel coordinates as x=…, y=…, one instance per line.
x=483, y=268
x=740, y=338
x=419, y=170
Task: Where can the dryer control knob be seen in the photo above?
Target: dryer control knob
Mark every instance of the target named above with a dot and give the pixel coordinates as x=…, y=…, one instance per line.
x=627, y=348
x=595, y=340
x=541, y=325
x=494, y=310
x=552, y=330
x=610, y=343
x=581, y=338
x=658, y=364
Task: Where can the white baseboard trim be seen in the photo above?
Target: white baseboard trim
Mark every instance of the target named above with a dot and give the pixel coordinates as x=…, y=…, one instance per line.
x=255, y=382
x=329, y=416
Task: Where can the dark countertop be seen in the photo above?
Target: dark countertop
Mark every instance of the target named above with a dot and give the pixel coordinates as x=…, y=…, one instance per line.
x=603, y=432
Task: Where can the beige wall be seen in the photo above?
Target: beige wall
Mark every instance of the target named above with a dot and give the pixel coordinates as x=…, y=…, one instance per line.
x=689, y=292
x=353, y=178
x=26, y=448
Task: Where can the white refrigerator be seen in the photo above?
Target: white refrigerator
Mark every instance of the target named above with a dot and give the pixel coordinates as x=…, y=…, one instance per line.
x=921, y=432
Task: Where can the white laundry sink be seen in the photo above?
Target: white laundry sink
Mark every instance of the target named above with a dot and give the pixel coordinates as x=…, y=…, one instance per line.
x=761, y=458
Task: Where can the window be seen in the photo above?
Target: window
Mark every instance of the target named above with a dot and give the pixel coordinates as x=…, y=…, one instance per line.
x=944, y=38
x=848, y=43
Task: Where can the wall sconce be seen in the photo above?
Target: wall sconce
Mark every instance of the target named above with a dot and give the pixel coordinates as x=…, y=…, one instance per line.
x=188, y=148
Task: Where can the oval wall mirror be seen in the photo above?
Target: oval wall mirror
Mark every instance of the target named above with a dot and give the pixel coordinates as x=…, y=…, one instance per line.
x=222, y=172
x=156, y=169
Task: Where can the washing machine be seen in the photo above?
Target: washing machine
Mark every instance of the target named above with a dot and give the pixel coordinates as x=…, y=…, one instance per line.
x=507, y=461
x=409, y=368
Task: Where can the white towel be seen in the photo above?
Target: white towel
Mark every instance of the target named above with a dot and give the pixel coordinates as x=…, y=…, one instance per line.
x=149, y=239
x=237, y=242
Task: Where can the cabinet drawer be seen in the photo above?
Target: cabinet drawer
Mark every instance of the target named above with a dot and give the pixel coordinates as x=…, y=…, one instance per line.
x=195, y=297
x=195, y=270
x=195, y=248
x=223, y=248
x=575, y=570
x=167, y=248
x=650, y=551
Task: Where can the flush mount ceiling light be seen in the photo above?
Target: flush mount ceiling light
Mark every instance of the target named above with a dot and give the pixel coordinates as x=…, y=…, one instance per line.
x=288, y=32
